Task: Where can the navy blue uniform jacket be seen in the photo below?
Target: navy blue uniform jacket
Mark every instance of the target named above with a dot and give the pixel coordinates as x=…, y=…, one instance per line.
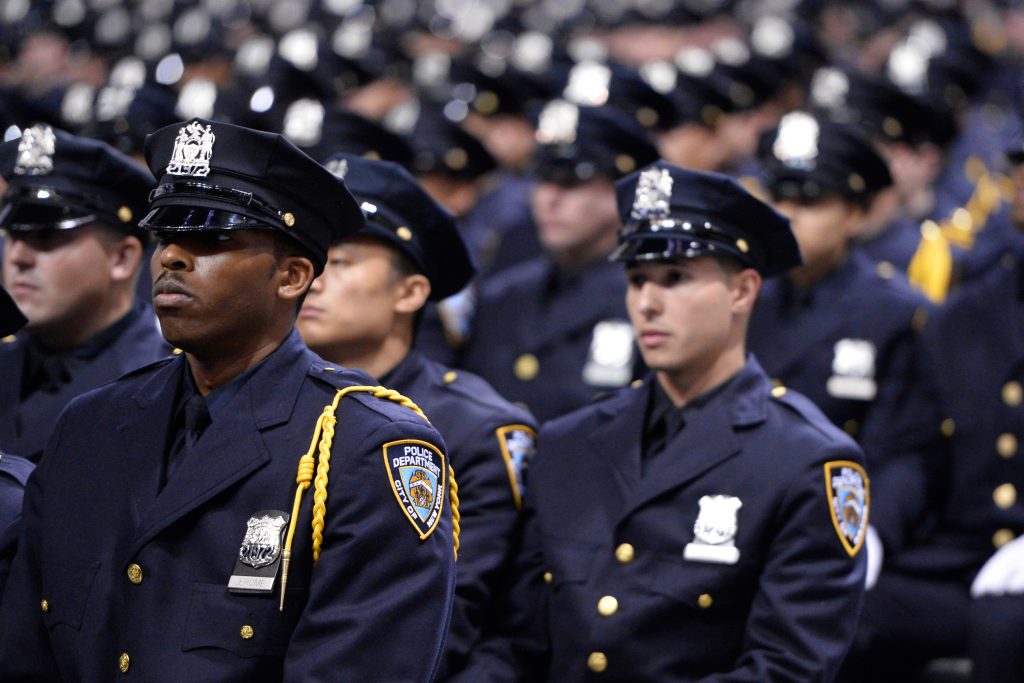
x=531, y=311
x=852, y=347
x=785, y=611
x=14, y=472
x=375, y=607
x=26, y=424
x=490, y=442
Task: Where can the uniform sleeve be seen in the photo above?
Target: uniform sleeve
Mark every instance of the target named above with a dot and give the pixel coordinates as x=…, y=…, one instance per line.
x=25, y=651
x=900, y=437
x=488, y=538
x=808, y=601
x=380, y=596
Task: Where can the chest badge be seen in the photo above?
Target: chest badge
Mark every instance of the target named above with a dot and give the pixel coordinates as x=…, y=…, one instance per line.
x=853, y=370
x=260, y=553
x=846, y=485
x=714, y=532
x=610, y=361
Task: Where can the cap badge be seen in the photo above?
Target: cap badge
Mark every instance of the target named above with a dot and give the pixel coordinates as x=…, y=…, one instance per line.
x=338, y=167
x=796, y=144
x=714, y=532
x=557, y=123
x=193, y=149
x=35, y=151
x=653, y=194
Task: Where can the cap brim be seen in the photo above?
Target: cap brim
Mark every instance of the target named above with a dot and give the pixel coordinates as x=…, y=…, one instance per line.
x=675, y=248
x=193, y=217
x=20, y=216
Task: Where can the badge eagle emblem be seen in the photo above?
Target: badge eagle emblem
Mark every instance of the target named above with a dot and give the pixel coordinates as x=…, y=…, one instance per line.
x=419, y=479
x=262, y=543
x=35, y=150
x=846, y=485
x=193, y=150
x=714, y=532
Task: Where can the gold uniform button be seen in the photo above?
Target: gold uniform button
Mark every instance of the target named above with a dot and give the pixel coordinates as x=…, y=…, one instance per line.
x=450, y=376
x=1006, y=445
x=404, y=233
x=851, y=427
x=779, y=392
x=289, y=219
x=948, y=427
x=9, y=339
x=742, y=245
x=135, y=573
x=704, y=601
x=526, y=367
x=607, y=606
x=1005, y=496
x=124, y=662
x=548, y=577
x=1002, y=537
x=597, y=662
x=45, y=605
x=625, y=553
x=246, y=632
x=1012, y=394
x=177, y=352
x=637, y=383
x=885, y=270
x=125, y=214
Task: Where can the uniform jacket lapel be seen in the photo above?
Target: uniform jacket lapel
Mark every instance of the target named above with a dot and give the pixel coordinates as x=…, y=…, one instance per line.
x=233, y=446
x=615, y=443
x=706, y=442
x=12, y=361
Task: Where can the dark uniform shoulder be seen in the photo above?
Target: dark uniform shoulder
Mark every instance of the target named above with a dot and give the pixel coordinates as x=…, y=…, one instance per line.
x=148, y=368
x=383, y=401
x=474, y=395
x=513, y=279
x=796, y=408
x=15, y=467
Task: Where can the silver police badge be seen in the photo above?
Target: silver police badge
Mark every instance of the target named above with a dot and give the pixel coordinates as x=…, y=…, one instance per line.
x=35, y=151
x=193, y=150
x=262, y=543
x=653, y=195
x=610, y=361
x=557, y=123
x=714, y=532
x=853, y=370
x=338, y=167
x=796, y=144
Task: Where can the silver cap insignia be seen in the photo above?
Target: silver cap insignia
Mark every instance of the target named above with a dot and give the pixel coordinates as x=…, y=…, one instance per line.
x=653, y=194
x=338, y=167
x=557, y=123
x=35, y=151
x=262, y=543
x=193, y=150
x=796, y=144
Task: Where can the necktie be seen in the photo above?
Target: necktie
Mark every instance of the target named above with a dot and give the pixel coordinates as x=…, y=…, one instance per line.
x=190, y=427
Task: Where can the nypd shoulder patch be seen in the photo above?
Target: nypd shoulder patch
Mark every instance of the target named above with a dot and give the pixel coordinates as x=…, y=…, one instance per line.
x=846, y=486
x=418, y=476
x=517, y=444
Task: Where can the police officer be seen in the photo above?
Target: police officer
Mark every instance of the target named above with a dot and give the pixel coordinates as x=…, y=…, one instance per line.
x=702, y=524
x=957, y=588
x=14, y=470
x=72, y=255
x=552, y=332
x=175, y=529
x=362, y=313
x=839, y=330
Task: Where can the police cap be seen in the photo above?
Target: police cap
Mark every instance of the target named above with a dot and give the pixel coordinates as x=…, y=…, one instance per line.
x=399, y=212
x=60, y=181
x=808, y=157
x=671, y=213
x=218, y=176
x=577, y=143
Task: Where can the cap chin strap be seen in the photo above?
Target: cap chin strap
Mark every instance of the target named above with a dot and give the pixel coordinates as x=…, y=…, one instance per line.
x=323, y=437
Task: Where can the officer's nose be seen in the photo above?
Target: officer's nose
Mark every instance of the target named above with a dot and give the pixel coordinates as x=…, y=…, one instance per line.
x=171, y=255
x=649, y=299
x=317, y=286
x=18, y=253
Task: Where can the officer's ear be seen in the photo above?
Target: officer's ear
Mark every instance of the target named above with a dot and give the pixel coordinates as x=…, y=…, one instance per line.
x=412, y=293
x=746, y=284
x=297, y=276
x=125, y=257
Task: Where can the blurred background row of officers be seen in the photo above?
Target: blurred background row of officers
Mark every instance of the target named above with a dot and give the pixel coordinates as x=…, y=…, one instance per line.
x=889, y=132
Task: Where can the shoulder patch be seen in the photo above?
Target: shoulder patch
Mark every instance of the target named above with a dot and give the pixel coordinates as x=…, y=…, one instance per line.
x=518, y=444
x=846, y=487
x=418, y=476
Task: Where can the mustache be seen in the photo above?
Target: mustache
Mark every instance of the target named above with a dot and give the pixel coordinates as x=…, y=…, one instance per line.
x=171, y=283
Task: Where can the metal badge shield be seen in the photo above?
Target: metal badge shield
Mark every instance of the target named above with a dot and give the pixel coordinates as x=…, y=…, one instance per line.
x=262, y=543
x=846, y=485
x=35, y=151
x=518, y=444
x=557, y=123
x=610, y=360
x=653, y=195
x=853, y=368
x=714, y=532
x=419, y=479
x=193, y=150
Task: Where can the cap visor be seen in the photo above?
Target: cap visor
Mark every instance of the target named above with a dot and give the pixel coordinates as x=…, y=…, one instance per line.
x=199, y=218
x=673, y=249
x=33, y=216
